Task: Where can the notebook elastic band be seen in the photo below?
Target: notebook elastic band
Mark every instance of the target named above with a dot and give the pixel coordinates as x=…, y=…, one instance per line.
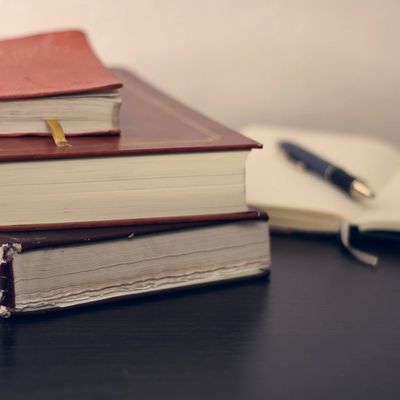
x=362, y=256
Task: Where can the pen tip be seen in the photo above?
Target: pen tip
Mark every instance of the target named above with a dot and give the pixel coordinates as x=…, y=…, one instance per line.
x=359, y=189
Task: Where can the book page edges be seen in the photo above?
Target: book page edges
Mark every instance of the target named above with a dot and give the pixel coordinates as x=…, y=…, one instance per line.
x=383, y=212
x=306, y=221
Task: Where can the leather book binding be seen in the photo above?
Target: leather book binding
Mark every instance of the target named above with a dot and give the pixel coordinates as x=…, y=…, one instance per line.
x=151, y=123
x=56, y=63
x=26, y=241
x=31, y=240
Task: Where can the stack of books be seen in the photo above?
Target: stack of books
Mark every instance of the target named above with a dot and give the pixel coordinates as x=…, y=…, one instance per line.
x=147, y=197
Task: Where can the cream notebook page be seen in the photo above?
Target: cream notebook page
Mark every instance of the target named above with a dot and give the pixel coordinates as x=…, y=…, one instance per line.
x=298, y=199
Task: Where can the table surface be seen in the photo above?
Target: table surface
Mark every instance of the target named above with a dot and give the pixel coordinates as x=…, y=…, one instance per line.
x=323, y=327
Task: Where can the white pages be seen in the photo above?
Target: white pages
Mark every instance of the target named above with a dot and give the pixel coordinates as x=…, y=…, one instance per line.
x=299, y=200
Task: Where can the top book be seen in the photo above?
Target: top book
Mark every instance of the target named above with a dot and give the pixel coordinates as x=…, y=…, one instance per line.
x=55, y=76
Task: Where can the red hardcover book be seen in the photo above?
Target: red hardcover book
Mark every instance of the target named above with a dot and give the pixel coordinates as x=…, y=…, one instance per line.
x=169, y=161
x=51, y=64
x=55, y=76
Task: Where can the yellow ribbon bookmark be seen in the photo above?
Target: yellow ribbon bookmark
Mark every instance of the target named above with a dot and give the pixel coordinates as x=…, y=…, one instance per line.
x=58, y=133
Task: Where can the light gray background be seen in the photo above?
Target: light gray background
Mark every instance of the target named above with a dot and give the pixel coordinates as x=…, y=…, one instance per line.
x=331, y=64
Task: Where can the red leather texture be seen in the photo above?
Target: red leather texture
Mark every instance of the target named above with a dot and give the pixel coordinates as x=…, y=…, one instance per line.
x=50, y=64
x=151, y=123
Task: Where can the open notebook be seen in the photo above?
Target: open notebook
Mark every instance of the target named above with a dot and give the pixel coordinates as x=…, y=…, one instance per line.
x=301, y=201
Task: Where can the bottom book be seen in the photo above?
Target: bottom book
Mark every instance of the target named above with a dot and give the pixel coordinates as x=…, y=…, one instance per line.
x=50, y=270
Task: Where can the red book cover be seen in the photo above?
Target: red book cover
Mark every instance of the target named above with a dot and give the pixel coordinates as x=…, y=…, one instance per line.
x=51, y=64
x=151, y=123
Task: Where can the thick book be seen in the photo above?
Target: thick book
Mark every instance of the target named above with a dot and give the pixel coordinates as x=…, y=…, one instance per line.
x=50, y=270
x=169, y=161
x=297, y=200
x=56, y=76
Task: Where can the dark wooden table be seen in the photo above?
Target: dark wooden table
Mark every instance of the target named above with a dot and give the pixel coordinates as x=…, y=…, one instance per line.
x=324, y=327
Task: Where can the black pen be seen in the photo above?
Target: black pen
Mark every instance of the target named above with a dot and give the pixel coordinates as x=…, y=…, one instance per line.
x=353, y=186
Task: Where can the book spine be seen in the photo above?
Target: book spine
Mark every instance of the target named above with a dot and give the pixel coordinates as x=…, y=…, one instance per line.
x=7, y=292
